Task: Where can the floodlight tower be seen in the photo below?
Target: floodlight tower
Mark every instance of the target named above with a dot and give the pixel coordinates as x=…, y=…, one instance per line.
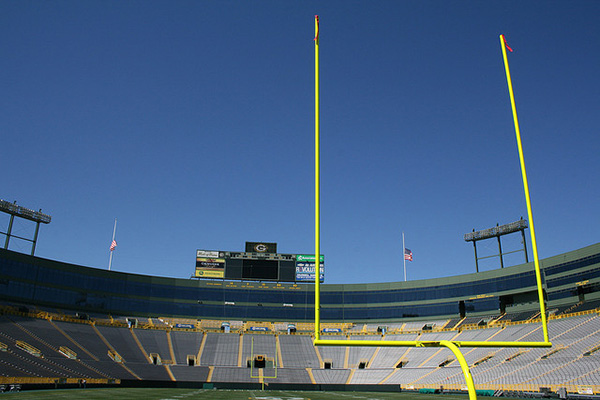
x=17, y=211
x=497, y=231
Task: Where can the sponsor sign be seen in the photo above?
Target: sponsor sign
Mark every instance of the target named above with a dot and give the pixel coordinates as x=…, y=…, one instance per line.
x=207, y=254
x=204, y=273
x=213, y=263
x=308, y=257
x=185, y=326
x=332, y=330
x=210, y=267
x=259, y=328
x=305, y=271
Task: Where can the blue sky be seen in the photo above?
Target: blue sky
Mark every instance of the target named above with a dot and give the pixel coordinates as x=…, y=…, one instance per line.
x=192, y=122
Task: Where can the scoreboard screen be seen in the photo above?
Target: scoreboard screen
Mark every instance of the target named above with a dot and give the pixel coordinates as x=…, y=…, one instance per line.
x=216, y=264
x=260, y=269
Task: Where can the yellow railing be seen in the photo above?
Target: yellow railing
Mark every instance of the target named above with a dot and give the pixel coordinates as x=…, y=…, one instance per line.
x=28, y=348
x=116, y=357
x=68, y=352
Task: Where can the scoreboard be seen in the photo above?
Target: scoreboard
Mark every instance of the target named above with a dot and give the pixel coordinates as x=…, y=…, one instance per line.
x=257, y=264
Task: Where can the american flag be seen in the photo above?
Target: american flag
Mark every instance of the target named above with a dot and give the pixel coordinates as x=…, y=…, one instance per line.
x=113, y=245
x=407, y=254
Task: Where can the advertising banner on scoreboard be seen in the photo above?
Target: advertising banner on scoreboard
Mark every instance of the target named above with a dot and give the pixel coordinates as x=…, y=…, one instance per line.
x=305, y=271
x=308, y=257
x=207, y=254
x=210, y=267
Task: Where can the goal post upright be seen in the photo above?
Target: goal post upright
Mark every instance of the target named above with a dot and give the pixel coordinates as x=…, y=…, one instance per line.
x=453, y=346
x=317, y=190
x=536, y=261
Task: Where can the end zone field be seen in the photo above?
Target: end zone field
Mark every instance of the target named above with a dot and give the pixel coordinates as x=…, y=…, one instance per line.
x=184, y=394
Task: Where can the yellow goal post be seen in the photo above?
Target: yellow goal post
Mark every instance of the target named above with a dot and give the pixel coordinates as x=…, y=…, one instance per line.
x=453, y=346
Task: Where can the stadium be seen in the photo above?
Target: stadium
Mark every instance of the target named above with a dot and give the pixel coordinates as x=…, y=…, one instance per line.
x=191, y=121
x=65, y=324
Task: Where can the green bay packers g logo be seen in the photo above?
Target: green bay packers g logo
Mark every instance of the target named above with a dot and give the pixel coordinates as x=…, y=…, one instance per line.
x=260, y=248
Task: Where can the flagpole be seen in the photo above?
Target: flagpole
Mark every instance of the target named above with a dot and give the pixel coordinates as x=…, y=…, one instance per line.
x=404, y=255
x=111, y=251
x=504, y=46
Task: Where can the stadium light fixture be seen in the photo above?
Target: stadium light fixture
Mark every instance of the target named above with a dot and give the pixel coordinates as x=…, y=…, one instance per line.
x=496, y=232
x=21, y=212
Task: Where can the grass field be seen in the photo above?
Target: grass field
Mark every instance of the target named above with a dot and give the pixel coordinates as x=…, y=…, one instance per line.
x=184, y=394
